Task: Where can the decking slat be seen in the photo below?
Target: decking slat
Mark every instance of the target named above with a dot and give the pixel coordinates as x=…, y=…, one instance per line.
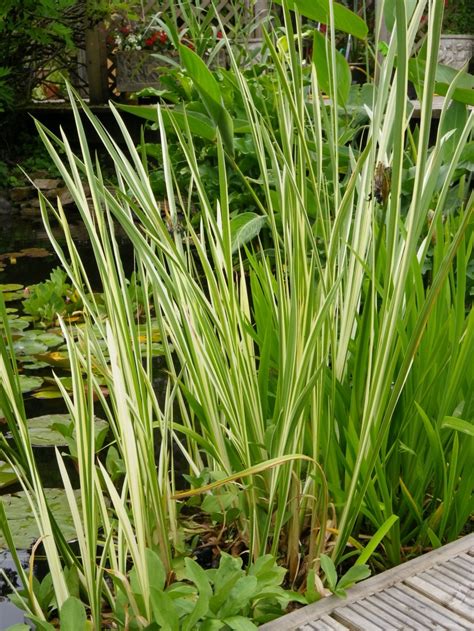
x=432, y=591
x=391, y=614
x=404, y=609
x=466, y=566
x=325, y=623
x=457, y=590
x=354, y=620
x=428, y=607
x=374, y=614
x=466, y=574
x=453, y=603
x=449, y=571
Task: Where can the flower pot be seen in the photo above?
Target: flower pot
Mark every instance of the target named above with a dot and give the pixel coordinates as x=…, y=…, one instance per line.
x=138, y=69
x=455, y=50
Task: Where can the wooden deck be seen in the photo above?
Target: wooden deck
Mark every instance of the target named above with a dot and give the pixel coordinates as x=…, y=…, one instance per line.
x=434, y=591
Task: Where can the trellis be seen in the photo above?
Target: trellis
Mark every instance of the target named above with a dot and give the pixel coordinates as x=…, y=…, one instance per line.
x=101, y=65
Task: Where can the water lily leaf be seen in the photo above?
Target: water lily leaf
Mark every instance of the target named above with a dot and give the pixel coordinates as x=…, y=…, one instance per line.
x=22, y=523
x=32, y=365
x=18, y=324
x=51, y=429
x=25, y=346
x=55, y=358
x=9, y=296
x=7, y=475
x=49, y=339
x=35, y=253
x=27, y=384
x=48, y=393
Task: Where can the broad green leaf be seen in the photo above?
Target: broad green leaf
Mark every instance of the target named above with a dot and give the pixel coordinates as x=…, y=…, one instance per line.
x=318, y=11
x=323, y=62
x=329, y=570
x=156, y=570
x=26, y=346
x=458, y=424
x=200, y=73
x=23, y=524
x=10, y=287
x=210, y=93
x=73, y=615
x=45, y=430
x=199, y=124
x=239, y=596
x=164, y=610
x=197, y=575
x=239, y=623
x=353, y=575
x=7, y=475
x=244, y=227
x=27, y=384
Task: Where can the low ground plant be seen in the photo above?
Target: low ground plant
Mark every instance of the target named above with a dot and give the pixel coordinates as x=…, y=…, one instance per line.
x=322, y=382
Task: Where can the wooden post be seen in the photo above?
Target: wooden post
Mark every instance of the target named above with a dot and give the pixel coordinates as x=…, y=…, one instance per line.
x=96, y=64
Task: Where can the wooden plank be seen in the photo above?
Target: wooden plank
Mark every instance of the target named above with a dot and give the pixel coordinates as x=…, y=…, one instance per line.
x=403, y=609
x=354, y=620
x=448, y=570
x=428, y=607
x=372, y=585
x=447, y=584
x=385, y=602
x=325, y=623
x=374, y=614
x=465, y=561
x=451, y=585
x=461, y=569
x=452, y=602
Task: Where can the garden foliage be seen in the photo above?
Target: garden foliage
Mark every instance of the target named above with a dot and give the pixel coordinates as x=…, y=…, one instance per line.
x=318, y=384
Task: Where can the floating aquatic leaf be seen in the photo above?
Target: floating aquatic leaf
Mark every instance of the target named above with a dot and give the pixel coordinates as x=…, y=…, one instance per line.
x=32, y=365
x=28, y=384
x=45, y=430
x=55, y=358
x=48, y=393
x=25, y=346
x=9, y=296
x=22, y=523
x=49, y=339
x=7, y=475
x=18, y=324
x=35, y=253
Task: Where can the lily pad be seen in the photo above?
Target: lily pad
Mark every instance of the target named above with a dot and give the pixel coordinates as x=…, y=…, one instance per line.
x=22, y=523
x=10, y=296
x=44, y=430
x=25, y=346
x=28, y=384
x=7, y=475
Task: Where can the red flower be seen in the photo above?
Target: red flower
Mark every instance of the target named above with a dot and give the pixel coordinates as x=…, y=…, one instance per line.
x=151, y=40
x=125, y=30
x=219, y=35
x=163, y=37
